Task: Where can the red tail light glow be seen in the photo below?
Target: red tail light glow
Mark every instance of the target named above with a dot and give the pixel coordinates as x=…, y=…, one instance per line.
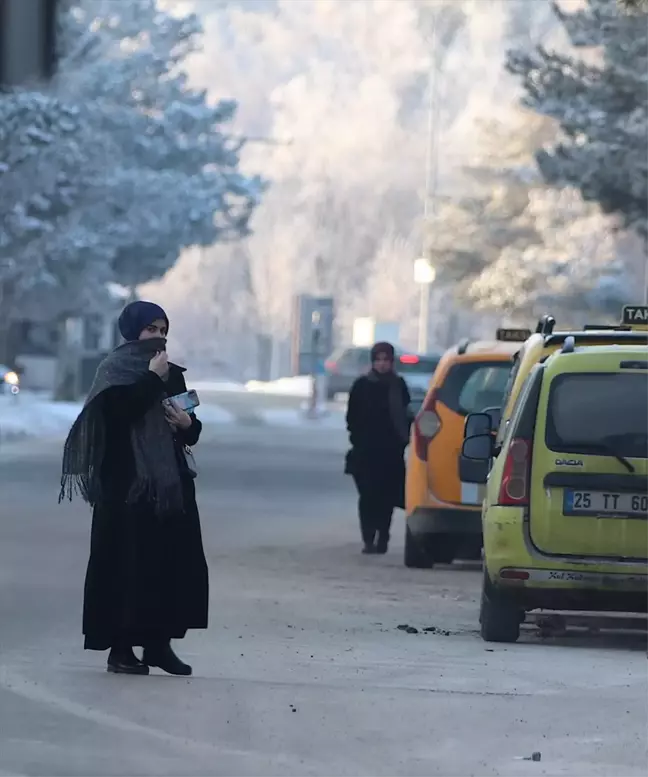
x=514, y=574
x=409, y=359
x=514, y=491
x=331, y=366
x=426, y=426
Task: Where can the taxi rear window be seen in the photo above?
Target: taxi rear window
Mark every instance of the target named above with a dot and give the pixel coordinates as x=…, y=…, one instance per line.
x=474, y=386
x=604, y=413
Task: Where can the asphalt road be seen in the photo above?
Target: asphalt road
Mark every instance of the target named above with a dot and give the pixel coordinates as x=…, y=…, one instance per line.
x=303, y=670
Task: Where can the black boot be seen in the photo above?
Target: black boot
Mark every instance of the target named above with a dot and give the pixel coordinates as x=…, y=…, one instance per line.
x=383, y=542
x=369, y=548
x=161, y=654
x=122, y=660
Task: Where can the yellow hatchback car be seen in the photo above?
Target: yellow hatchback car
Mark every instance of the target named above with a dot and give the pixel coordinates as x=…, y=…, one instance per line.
x=566, y=505
x=544, y=342
x=442, y=513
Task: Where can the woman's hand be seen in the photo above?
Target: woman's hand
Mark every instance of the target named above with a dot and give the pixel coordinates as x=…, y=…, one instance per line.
x=176, y=417
x=159, y=364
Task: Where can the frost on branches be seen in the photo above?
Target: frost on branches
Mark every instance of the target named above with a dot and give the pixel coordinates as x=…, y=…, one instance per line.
x=43, y=148
x=124, y=165
x=572, y=272
x=601, y=105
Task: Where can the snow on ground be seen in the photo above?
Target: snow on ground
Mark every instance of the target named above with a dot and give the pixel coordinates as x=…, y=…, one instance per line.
x=299, y=418
x=216, y=385
x=213, y=414
x=298, y=386
x=32, y=415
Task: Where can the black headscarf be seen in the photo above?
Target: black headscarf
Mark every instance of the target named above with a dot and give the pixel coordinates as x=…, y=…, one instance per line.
x=136, y=316
x=157, y=476
x=384, y=349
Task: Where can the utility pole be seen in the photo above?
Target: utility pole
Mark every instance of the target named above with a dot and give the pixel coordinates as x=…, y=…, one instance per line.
x=425, y=279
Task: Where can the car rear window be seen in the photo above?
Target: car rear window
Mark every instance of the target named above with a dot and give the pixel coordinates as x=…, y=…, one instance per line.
x=355, y=358
x=421, y=367
x=474, y=386
x=589, y=412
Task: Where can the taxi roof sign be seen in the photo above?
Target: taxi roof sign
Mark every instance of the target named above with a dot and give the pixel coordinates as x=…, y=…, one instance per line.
x=635, y=316
x=513, y=335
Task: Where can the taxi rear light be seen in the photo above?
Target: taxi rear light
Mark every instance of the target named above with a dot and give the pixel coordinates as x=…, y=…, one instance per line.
x=514, y=490
x=426, y=426
x=514, y=574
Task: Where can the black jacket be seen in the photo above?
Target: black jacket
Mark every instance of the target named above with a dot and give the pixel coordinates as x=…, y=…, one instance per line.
x=376, y=457
x=371, y=431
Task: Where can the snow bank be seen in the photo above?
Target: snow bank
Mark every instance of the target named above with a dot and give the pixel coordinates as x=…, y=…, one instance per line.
x=299, y=386
x=33, y=416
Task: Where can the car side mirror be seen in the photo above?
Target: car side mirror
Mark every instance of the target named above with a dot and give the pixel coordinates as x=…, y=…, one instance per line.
x=479, y=447
x=495, y=414
x=477, y=424
x=474, y=462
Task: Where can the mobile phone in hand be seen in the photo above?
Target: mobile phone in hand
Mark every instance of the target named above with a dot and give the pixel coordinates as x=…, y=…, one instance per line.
x=188, y=401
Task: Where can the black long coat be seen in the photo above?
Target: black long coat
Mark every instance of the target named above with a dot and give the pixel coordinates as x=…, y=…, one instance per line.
x=147, y=576
x=376, y=456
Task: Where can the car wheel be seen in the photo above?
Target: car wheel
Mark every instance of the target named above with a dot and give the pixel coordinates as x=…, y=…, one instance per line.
x=444, y=548
x=416, y=555
x=470, y=550
x=330, y=395
x=500, y=619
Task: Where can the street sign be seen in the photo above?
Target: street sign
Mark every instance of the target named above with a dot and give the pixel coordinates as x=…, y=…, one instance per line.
x=312, y=331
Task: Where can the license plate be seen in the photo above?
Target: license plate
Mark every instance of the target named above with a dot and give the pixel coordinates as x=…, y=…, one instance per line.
x=605, y=503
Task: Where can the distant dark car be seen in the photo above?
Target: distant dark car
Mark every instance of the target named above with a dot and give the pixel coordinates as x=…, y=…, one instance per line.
x=417, y=371
x=347, y=364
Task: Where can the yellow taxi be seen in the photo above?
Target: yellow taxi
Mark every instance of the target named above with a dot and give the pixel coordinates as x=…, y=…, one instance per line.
x=546, y=341
x=565, y=509
x=443, y=514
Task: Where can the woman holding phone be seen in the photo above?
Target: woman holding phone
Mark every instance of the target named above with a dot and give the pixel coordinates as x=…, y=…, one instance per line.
x=147, y=578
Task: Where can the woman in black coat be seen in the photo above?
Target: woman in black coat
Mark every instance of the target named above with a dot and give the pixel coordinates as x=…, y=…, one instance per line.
x=378, y=423
x=147, y=578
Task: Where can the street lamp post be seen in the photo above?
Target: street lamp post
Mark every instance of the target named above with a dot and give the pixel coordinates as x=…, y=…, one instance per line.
x=424, y=272
x=424, y=276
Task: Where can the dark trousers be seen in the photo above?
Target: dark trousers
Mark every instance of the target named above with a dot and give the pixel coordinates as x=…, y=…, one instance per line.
x=375, y=511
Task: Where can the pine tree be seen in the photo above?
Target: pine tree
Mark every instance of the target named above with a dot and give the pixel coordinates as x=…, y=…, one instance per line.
x=600, y=104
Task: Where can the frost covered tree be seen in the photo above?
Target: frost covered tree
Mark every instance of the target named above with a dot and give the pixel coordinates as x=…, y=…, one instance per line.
x=176, y=182
x=45, y=158
x=572, y=272
x=340, y=88
x=516, y=246
x=634, y=6
x=600, y=101
x=121, y=167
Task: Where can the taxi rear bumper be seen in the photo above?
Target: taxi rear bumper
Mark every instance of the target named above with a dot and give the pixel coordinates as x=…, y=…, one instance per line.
x=551, y=589
x=429, y=521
